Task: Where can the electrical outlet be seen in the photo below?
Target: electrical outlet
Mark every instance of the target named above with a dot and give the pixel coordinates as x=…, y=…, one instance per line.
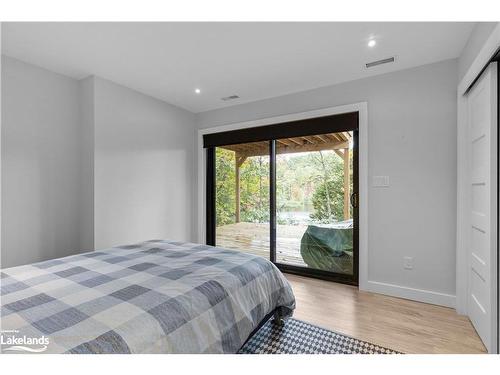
x=408, y=263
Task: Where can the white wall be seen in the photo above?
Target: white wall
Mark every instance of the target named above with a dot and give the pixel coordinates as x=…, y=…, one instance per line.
x=89, y=164
x=412, y=139
x=40, y=164
x=143, y=162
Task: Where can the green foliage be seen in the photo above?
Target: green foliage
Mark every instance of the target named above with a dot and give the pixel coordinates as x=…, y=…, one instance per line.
x=254, y=177
x=225, y=184
x=324, y=212
x=328, y=197
x=311, y=181
x=254, y=188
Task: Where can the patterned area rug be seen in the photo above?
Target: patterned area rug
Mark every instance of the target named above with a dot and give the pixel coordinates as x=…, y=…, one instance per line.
x=298, y=337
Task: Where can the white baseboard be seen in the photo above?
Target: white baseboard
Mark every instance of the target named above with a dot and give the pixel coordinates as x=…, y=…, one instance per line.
x=419, y=295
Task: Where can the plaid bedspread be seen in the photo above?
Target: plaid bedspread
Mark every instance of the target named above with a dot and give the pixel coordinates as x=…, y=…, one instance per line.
x=152, y=297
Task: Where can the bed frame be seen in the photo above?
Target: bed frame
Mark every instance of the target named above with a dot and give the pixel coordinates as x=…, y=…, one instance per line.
x=276, y=314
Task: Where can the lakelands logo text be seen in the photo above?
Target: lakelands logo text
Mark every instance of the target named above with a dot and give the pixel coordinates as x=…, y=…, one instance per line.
x=11, y=340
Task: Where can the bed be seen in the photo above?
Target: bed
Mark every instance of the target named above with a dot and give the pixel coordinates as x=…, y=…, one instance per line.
x=157, y=296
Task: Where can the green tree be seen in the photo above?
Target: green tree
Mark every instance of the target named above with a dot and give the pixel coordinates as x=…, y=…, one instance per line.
x=328, y=196
x=224, y=187
x=254, y=176
x=305, y=181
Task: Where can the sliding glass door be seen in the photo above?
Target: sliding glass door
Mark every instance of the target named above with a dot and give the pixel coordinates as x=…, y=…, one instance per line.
x=242, y=197
x=291, y=199
x=314, y=186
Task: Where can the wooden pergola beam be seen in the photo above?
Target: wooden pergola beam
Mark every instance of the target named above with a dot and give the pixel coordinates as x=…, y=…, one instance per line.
x=309, y=139
x=297, y=142
x=285, y=142
x=340, y=153
x=283, y=149
x=323, y=138
x=337, y=137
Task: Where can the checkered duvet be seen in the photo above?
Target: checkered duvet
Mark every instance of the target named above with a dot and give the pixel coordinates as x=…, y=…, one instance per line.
x=152, y=297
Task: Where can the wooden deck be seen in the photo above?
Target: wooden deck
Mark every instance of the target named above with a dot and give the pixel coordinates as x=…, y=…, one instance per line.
x=254, y=238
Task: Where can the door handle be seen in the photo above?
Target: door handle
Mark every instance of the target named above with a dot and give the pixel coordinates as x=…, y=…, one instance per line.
x=354, y=200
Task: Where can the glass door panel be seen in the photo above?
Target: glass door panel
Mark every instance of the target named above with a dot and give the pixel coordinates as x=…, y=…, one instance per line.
x=314, y=217
x=242, y=197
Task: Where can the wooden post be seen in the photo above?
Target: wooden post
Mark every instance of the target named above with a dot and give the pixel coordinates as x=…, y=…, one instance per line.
x=237, y=188
x=347, y=180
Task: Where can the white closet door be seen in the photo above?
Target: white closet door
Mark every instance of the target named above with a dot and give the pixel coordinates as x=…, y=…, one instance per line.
x=482, y=244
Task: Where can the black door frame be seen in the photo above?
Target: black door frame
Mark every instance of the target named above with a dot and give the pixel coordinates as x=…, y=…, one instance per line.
x=321, y=125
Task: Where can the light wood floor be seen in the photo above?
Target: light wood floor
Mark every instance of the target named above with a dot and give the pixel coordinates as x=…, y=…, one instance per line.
x=403, y=325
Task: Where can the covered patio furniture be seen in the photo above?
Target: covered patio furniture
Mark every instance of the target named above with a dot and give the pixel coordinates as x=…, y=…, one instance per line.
x=329, y=247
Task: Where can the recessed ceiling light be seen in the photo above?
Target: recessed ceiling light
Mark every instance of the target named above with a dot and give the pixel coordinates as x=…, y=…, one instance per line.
x=197, y=91
x=372, y=43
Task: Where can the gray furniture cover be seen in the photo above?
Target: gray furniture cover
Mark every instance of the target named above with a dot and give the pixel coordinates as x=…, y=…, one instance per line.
x=329, y=247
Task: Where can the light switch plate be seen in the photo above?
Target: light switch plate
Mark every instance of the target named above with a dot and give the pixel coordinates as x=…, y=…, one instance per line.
x=380, y=181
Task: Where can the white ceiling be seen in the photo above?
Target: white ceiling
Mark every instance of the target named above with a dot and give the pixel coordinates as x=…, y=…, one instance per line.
x=253, y=60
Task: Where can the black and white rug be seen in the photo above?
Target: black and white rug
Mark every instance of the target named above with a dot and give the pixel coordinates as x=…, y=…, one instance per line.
x=298, y=337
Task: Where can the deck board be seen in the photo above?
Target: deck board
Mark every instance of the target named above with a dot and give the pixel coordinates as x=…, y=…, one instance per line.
x=254, y=238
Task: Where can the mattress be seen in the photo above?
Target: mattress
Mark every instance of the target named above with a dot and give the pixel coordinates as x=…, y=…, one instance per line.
x=157, y=296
